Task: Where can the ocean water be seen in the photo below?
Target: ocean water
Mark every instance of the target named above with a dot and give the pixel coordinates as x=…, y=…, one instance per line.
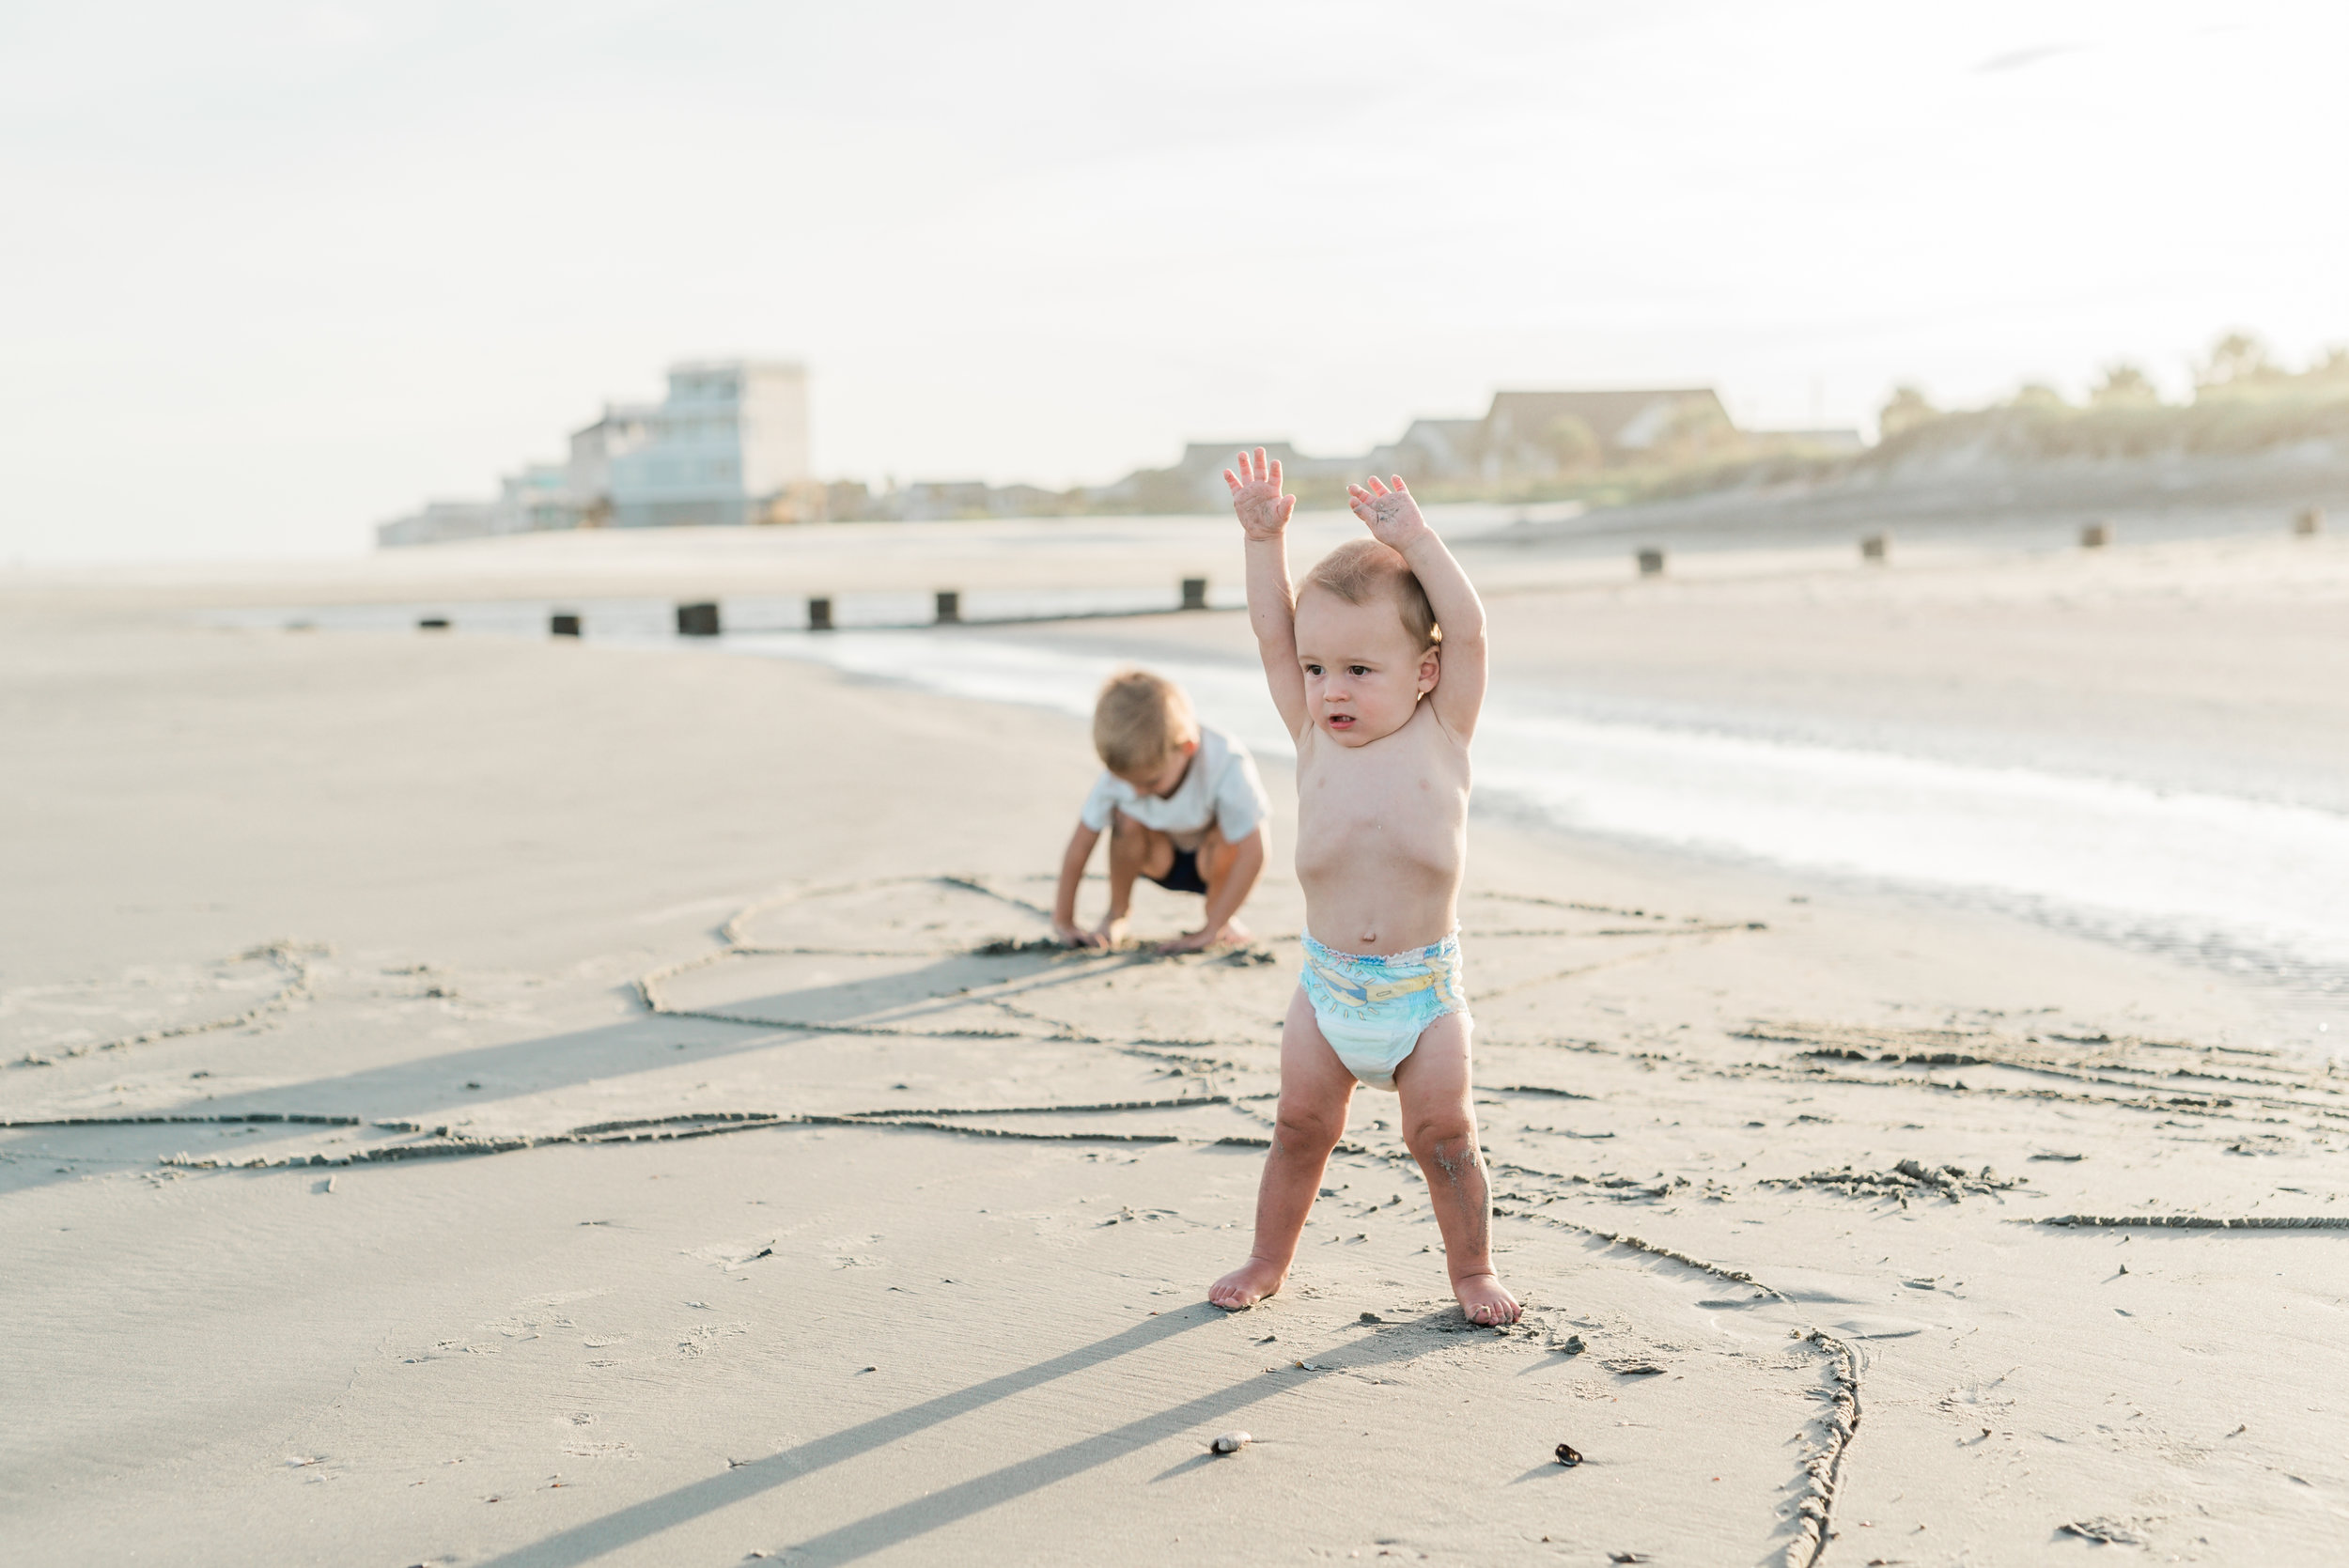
x=2257, y=888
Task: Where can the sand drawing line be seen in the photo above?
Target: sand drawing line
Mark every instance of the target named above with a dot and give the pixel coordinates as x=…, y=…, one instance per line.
x=257, y=1116
x=1634, y=931
x=1823, y=1472
x=2197, y=1221
x=1179, y=1102
x=444, y=1143
x=1950, y=1048
x=1495, y=992
x=1909, y=1178
x=1580, y=907
x=292, y=959
x=735, y=936
x=2183, y=1105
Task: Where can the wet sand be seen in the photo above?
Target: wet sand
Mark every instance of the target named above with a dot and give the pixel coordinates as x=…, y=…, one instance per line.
x=618, y=1115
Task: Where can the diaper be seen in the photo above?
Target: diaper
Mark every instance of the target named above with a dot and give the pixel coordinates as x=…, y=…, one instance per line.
x=1373, y=1010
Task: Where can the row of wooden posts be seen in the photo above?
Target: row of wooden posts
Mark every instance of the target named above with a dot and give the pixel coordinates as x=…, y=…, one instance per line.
x=2306, y=524
x=701, y=619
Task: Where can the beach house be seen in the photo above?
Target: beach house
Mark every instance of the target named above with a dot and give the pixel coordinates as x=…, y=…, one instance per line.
x=727, y=445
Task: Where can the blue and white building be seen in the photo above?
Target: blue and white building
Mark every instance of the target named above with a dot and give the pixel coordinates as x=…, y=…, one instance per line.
x=723, y=448
x=727, y=445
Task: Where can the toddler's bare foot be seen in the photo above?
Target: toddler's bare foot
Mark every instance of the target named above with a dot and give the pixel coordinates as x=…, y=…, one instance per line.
x=1483, y=1298
x=1251, y=1282
x=1111, y=932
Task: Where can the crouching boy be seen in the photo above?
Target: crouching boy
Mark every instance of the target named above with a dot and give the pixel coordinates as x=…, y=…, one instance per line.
x=1182, y=805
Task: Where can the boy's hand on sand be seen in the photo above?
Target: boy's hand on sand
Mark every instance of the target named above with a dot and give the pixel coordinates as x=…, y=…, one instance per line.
x=1264, y=512
x=1389, y=509
x=1203, y=938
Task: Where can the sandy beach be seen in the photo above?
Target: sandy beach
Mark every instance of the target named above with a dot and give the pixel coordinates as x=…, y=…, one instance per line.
x=502, y=1100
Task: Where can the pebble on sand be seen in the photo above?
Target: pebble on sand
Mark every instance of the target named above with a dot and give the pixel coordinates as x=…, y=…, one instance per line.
x=1231, y=1442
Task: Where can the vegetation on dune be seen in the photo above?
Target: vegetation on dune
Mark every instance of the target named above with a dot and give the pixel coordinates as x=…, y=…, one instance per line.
x=2243, y=403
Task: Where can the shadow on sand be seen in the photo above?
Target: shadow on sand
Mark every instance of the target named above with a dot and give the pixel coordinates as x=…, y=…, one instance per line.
x=893, y=1527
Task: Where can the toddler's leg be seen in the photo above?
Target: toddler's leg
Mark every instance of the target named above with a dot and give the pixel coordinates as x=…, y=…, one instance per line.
x=1439, y=1127
x=1219, y=857
x=1315, y=1088
x=1134, y=851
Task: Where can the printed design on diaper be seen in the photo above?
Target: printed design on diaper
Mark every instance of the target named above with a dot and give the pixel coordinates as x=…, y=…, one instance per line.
x=1368, y=989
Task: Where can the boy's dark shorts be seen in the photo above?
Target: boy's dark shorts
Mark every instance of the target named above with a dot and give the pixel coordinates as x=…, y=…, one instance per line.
x=1183, y=875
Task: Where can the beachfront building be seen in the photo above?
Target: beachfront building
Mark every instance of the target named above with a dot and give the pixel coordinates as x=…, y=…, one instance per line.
x=727, y=445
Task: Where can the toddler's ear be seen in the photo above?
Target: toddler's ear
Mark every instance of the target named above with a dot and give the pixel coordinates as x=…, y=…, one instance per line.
x=1430, y=670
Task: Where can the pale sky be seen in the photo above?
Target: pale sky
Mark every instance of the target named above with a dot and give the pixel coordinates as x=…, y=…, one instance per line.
x=274, y=273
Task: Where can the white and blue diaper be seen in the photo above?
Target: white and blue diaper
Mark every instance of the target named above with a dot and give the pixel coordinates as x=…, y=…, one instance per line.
x=1373, y=1010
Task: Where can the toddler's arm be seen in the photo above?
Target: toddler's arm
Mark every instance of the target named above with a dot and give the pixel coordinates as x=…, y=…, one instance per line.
x=1072, y=872
x=1394, y=516
x=1264, y=513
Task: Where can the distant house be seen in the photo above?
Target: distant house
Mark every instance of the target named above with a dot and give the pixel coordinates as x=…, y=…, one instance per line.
x=939, y=501
x=1523, y=430
x=728, y=445
x=1434, y=448
x=1025, y=501
x=537, y=497
x=728, y=441
x=438, y=523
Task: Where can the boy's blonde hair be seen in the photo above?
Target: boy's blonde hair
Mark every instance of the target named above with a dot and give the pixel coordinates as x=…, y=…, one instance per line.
x=1361, y=570
x=1139, y=721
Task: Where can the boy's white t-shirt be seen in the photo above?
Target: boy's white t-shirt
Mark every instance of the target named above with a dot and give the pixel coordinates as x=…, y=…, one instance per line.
x=1221, y=786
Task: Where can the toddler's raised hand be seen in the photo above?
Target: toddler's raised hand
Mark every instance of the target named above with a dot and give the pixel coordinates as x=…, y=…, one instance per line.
x=1264, y=512
x=1391, y=514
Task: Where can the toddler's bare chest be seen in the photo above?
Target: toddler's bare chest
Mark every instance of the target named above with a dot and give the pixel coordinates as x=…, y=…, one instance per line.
x=1401, y=791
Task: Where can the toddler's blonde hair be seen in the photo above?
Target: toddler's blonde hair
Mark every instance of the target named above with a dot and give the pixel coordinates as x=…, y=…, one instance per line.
x=1361, y=570
x=1139, y=721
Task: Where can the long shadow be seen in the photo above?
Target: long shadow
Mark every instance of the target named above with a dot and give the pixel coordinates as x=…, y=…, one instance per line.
x=421, y=1088
x=884, y=997
x=428, y=1088
x=893, y=1526
x=943, y=986
x=654, y=1514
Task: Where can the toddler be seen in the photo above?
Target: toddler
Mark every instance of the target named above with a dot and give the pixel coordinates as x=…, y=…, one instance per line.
x=1183, y=806
x=1378, y=667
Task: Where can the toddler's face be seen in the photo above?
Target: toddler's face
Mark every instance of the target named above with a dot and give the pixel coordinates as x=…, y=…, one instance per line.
x=1364, y=678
